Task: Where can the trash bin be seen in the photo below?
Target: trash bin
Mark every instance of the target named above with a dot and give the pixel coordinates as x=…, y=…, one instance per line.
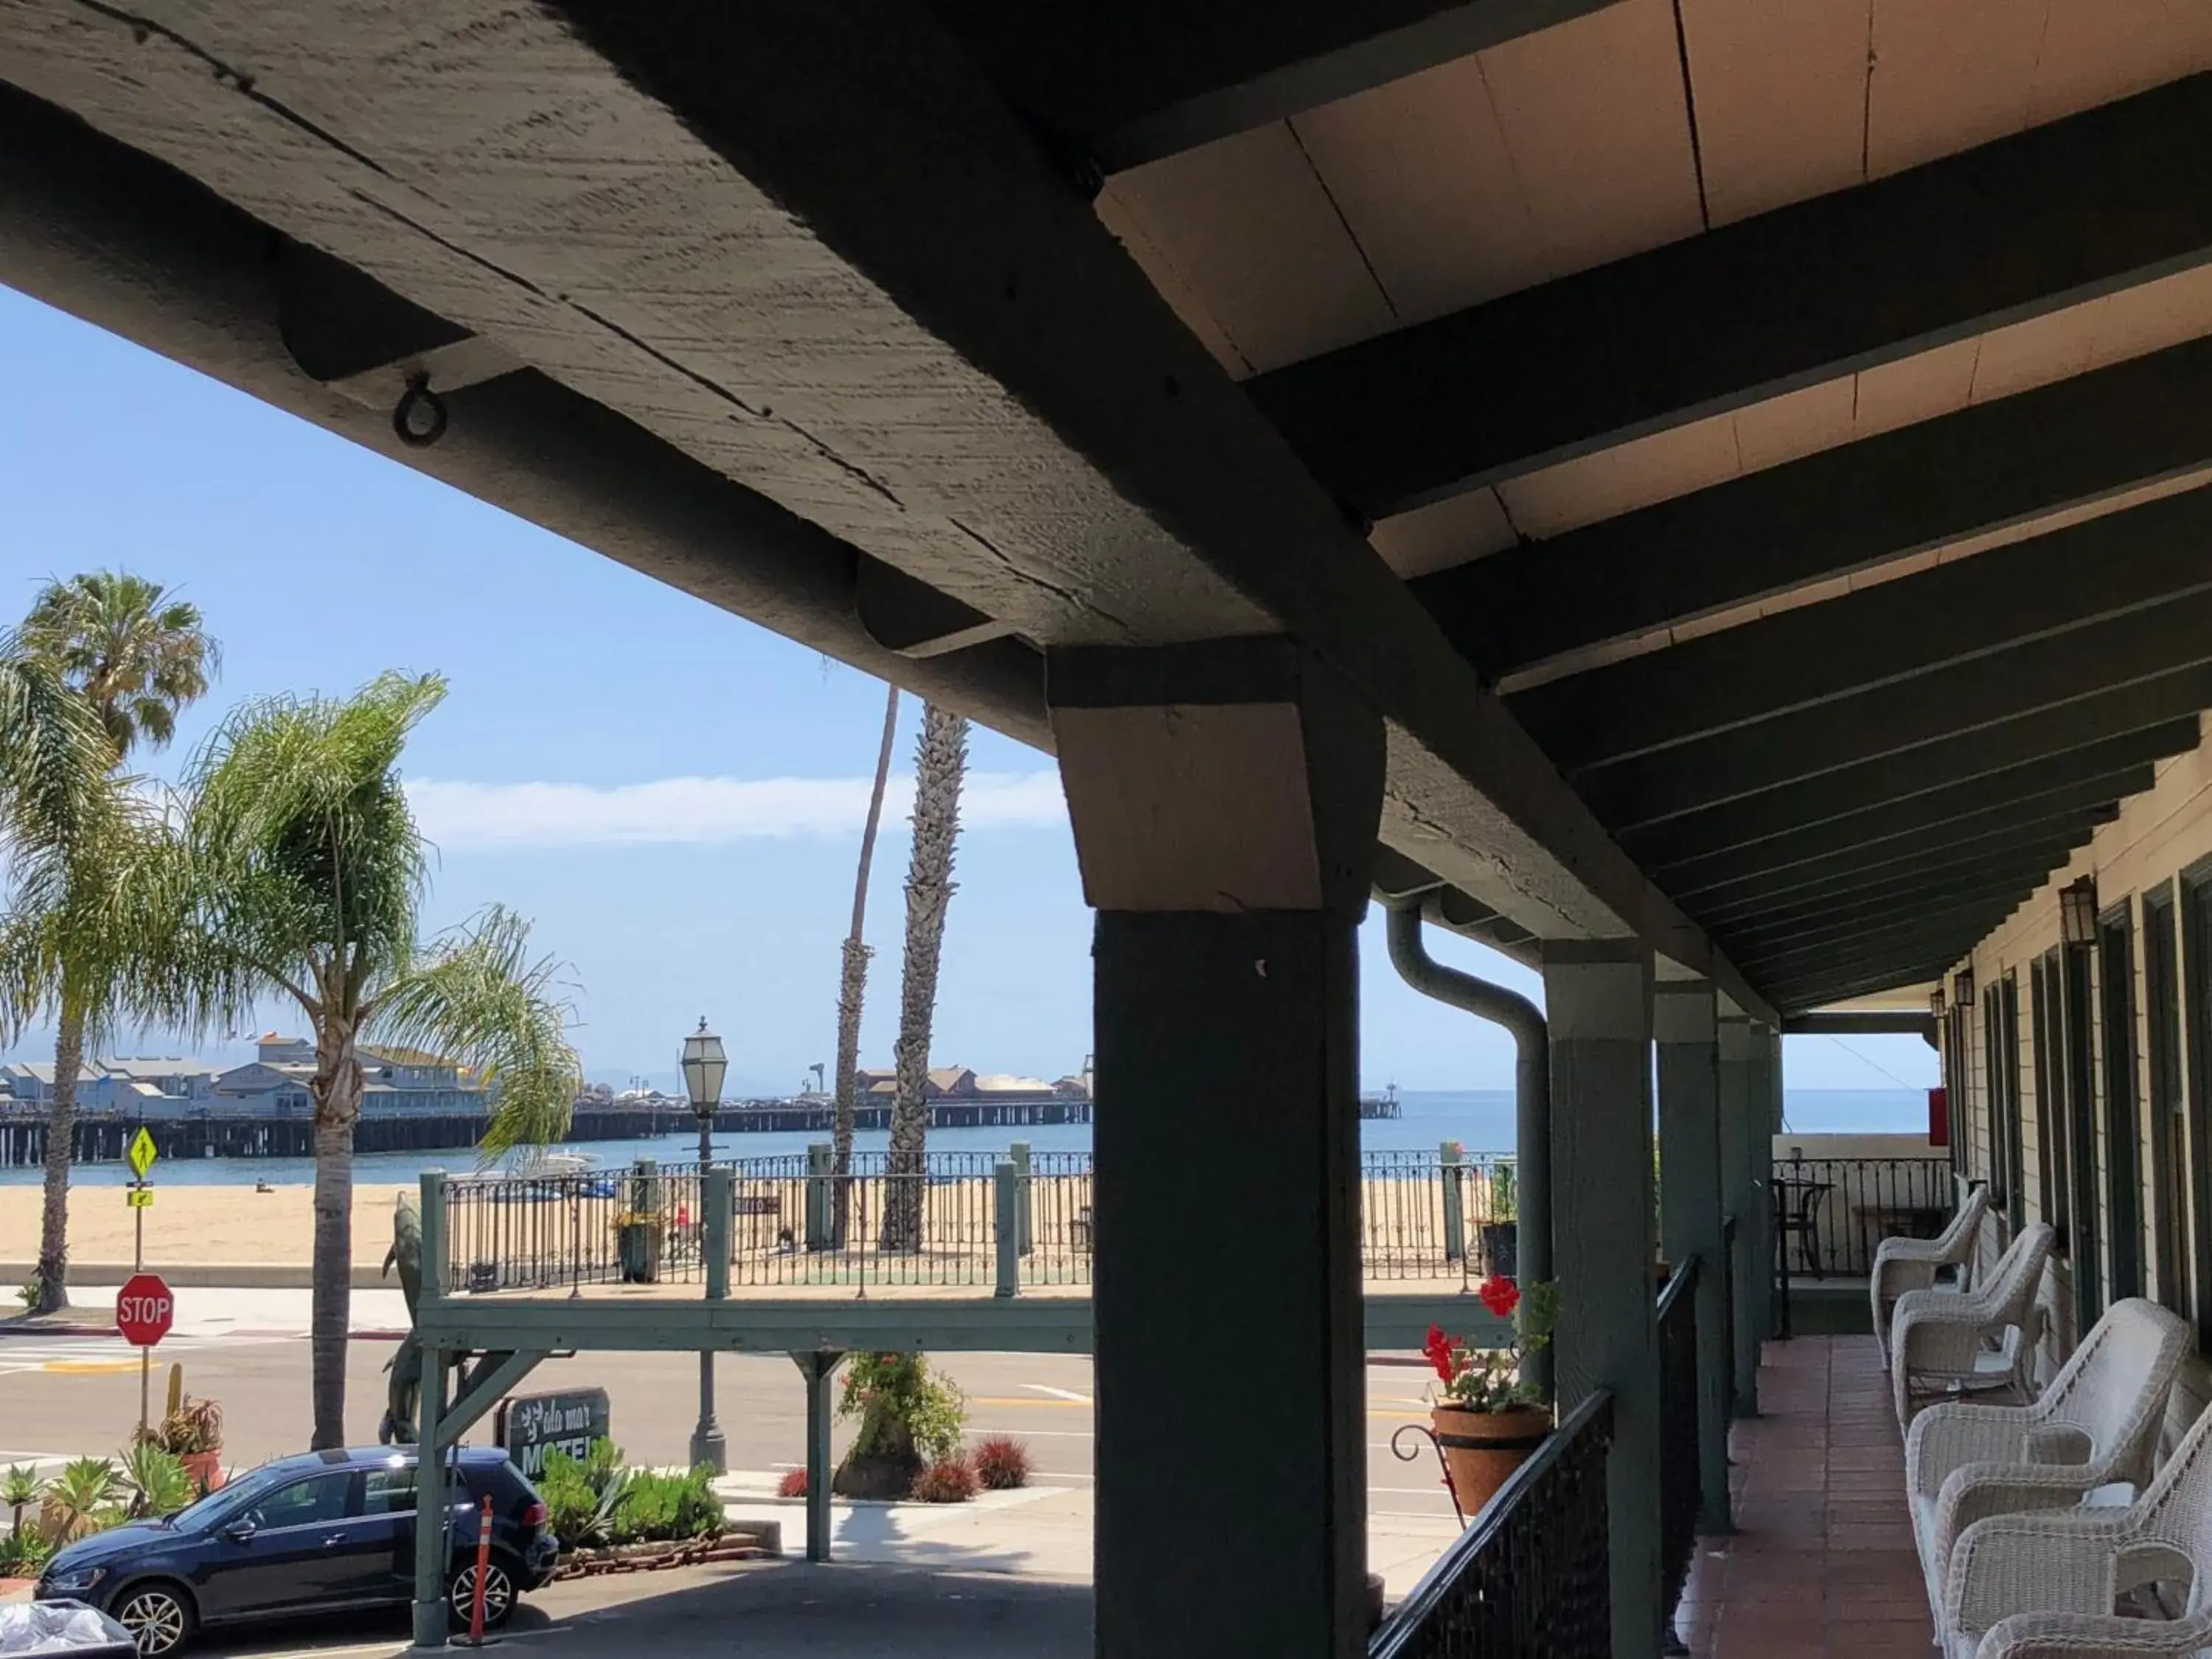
x=69, y=1627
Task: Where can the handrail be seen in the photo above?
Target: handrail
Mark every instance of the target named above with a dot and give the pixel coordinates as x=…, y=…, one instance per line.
x=1685, y=1275
x=1399, y=1635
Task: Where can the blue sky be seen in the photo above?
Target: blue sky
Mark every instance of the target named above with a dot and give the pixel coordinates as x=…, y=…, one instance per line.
x=672, y=793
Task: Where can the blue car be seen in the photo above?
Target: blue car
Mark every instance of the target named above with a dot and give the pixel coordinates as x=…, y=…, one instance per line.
x=323, y=1531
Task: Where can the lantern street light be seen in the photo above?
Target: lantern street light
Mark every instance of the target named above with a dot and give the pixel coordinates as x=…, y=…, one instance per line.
x=704, y=1065
x=2077, y=911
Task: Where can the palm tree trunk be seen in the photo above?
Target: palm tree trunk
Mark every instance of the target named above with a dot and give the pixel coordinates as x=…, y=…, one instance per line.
x=852, y=983
x=60, y=1146
x=939, y=767
x=336, y=1090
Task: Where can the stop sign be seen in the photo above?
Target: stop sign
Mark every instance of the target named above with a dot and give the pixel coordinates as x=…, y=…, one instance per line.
x=144, y=1310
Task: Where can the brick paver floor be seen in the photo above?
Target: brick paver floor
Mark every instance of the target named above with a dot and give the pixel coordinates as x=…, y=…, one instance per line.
x=1822, y=1565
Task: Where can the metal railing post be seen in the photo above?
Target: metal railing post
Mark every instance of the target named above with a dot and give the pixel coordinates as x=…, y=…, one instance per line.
x=819, y=1161
x=715, y=1199
x=432, y=1194
x=1019, y=1152
x=1007, y=1191
x=1448, y=1156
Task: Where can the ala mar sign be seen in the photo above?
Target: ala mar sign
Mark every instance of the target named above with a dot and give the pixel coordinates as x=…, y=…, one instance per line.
x=530, y=1424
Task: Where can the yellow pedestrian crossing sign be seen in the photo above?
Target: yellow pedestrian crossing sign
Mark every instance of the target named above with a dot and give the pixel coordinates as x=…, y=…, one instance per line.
x=142, y=1154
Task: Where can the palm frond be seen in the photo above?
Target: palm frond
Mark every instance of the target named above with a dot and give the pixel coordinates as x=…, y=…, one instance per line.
x=479, y=1001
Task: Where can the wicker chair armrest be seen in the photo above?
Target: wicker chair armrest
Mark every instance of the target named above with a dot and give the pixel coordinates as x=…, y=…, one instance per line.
x=1975, y=1491
x=1953, y=1433
x=1929, y=1251
x=2041, y=1563
x=2091, y=1635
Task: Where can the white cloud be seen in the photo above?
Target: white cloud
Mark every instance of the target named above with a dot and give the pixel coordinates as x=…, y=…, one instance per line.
x=461, y=816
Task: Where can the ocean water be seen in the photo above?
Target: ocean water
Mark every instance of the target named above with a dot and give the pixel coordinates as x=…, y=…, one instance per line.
x=1480, y=1120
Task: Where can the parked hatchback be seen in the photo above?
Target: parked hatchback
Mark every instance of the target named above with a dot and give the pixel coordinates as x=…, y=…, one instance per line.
x=320, y=1533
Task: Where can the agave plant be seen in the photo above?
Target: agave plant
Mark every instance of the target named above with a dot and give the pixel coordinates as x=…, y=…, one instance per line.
x=20, y=1488
x=156, y=1481
x=77, y=1496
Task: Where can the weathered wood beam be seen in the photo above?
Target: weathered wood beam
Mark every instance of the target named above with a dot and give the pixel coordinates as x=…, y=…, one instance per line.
x=1126, y=81
x=1836, y=511
x=2015, y=229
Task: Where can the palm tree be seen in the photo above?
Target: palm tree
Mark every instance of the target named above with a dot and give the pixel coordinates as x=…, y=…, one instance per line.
x=852, y=985
x=135, y=658
x=940, y=761
x=298, y=872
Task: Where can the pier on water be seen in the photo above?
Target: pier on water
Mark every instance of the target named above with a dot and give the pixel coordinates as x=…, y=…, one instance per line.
x=103, y=1137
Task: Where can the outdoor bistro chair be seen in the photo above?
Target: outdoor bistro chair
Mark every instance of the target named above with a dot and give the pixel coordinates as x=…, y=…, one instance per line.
x=1938, y=1338
x=2096, y=1424
x=1911, y=1264
x=2048, y=1585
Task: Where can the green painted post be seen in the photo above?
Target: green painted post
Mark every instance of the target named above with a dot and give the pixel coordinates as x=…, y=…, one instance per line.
x=717, y=1200
x=431, y=1194
x=1019, y=1152
x=1006, y=1193
x=1691, y=1188
x=820, y=1160
x=1448, y=1156
x=1744, y=1200
x=820, y=1369
x=432, y=1511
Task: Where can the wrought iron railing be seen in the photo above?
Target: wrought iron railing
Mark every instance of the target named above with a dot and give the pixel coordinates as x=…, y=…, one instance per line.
x=1728, y=1318
x=1532, y=1576
x=1680, y=1491
x=1831, y=1213
x=1438, y=1216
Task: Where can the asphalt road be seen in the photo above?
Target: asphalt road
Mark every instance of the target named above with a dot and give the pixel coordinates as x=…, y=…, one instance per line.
x=67, y=1397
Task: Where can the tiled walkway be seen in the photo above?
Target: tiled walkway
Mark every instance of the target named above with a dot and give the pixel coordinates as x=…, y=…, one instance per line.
x=1822, y=1565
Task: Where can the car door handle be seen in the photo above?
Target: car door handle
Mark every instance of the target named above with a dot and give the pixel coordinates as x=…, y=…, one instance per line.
x=334, y=1540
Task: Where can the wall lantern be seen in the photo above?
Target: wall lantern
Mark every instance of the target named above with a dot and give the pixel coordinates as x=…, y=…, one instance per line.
x=1962, y=989
x=1935, y=1003
x=2077, y=911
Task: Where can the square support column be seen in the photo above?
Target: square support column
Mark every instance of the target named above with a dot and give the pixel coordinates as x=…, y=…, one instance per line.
x=1598, y=995
x=1685, y=1020
x=1224, y=798
x=1743, y=1199
x=1764, y=1066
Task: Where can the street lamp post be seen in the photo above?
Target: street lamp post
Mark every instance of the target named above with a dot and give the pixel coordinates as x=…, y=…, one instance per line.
x=704, y=1063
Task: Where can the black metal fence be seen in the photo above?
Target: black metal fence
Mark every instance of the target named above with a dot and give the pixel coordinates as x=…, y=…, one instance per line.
x=1680, y=1488
x=1436, y=1215
x=1831, y=1213
x=1532, y=1574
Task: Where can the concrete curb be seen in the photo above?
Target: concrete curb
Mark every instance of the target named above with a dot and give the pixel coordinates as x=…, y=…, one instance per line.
x=200, y=1275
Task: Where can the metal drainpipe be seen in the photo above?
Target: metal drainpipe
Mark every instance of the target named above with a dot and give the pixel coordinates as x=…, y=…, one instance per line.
x=1532, y=1087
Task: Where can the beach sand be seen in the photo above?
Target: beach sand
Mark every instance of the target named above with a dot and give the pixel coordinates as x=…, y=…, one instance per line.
x=197, y=1224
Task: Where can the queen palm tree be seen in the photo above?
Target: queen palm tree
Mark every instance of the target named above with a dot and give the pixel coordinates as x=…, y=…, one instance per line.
x=852, y=983
x=297, y=872
x=135, y=658
x=940, y=762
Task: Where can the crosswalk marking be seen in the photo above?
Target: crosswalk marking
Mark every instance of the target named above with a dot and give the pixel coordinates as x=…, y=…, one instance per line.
x=95, y=1355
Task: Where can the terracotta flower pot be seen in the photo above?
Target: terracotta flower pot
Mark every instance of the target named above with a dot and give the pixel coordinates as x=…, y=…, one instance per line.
x=205, y=1468
x=1482, y=1449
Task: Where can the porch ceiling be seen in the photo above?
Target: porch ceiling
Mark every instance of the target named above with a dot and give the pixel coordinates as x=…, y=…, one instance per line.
x=1780, y=429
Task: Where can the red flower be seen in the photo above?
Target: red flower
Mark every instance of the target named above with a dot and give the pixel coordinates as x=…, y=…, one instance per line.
x=1500, y=1295
x=1438, y=1351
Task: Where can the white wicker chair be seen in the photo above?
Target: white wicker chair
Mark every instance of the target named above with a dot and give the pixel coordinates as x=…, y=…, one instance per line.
x=2096, y=1424
x=1936, y=1337
x=2045, y=1586
x=1911, y=1264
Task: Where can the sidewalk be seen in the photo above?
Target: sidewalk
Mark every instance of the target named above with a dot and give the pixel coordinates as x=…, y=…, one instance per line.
x=205, y=1310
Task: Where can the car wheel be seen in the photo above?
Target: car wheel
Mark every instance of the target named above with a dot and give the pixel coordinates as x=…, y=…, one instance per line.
x=498, y=1596
x=158, y=1616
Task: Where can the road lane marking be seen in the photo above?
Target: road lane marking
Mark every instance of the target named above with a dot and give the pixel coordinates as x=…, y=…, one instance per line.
x=1068, y=1394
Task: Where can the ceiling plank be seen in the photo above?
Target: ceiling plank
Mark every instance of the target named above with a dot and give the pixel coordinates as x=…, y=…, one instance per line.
x=1925, y=782
x=2027, y=225
x=1963, y=697
x=1940, y=906
x=1907, y=885
x=1839, y=510
x=1881, y=635
x=1966, y=817
x=1127, y=81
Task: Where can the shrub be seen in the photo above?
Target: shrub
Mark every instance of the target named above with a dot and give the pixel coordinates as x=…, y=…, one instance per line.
x=948, y=1480
x=23, y=1555
x=27, y=1293
x=584, y=1498
x=1002, y=1463
x=883, y=1390
x=660, y=1506
x=794, y=1484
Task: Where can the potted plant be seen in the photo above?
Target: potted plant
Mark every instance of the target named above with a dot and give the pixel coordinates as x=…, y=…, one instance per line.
x=1501, y=1232
x=192, y=1434
x=1487, y=1417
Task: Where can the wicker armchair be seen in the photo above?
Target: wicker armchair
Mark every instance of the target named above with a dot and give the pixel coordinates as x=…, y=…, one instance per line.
x=1911, y=1264
x=1937, y=1337
x=2096, y=1424
x=2047, y=1586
